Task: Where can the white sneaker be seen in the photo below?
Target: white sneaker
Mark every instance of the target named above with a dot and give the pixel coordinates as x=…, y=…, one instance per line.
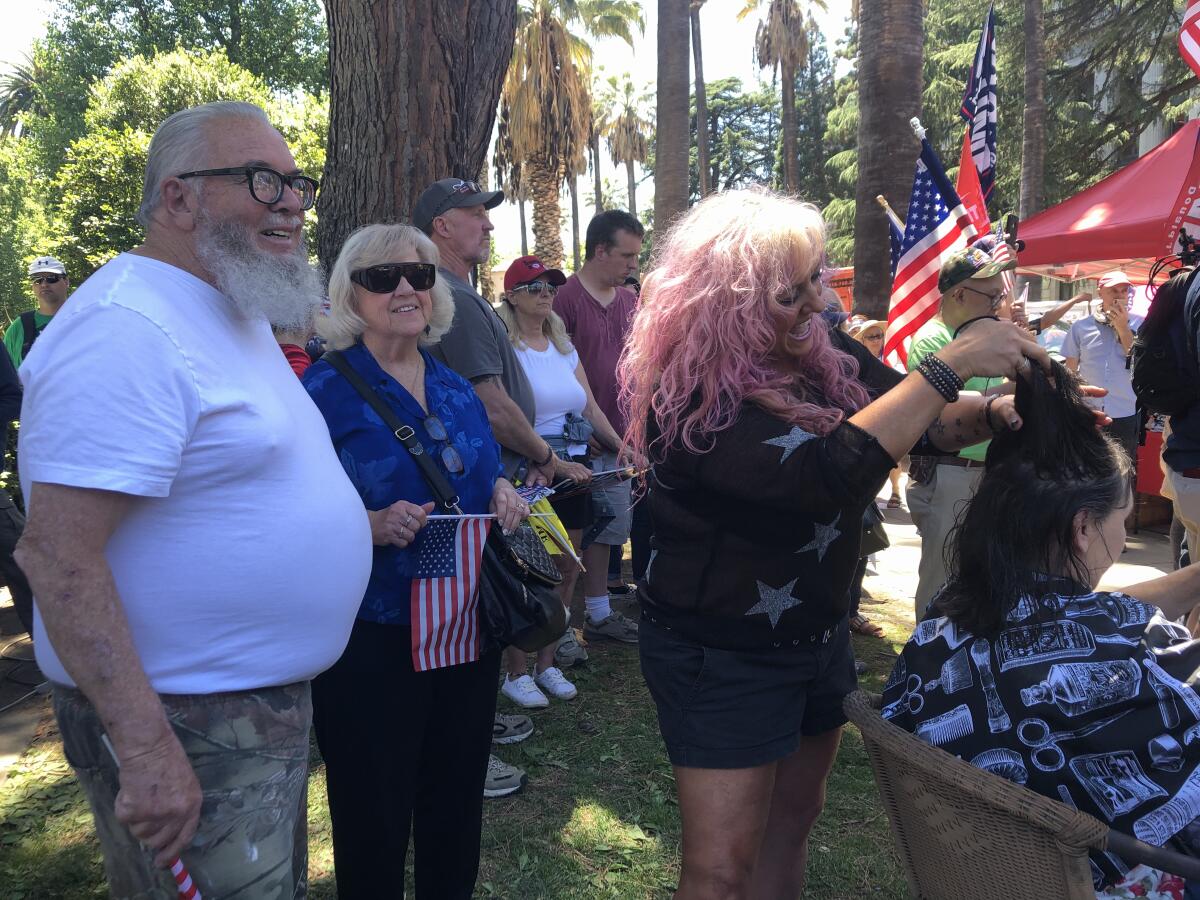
x=554, y=683
x=523, y=692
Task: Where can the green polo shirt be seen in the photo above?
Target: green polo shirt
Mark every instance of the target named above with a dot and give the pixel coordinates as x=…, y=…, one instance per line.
x=933, y=336
x=14, y=338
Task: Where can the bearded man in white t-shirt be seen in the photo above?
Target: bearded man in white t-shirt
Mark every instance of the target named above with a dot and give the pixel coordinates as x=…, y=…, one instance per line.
x=183, y=598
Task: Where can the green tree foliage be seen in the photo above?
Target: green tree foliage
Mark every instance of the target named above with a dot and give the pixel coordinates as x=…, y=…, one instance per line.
x=98, y=188
x=282, y=42
x=1097, y=52
x=814, y=100
x=21, y=226
x=743, y=129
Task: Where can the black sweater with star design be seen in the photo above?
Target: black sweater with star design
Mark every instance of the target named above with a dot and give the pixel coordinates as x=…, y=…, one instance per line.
x=755, y=541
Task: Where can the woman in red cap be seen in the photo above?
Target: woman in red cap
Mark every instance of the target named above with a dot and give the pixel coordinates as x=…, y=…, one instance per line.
x=567, y=417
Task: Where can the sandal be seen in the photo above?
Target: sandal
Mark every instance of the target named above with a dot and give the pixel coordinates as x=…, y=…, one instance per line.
x=894, y=502
x=860, y=624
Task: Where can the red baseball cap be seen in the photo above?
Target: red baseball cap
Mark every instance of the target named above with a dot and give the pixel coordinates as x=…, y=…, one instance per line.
x=525, y=269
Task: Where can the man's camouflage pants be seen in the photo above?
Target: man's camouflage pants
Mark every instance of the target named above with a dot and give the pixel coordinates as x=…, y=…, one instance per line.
x=250, y=753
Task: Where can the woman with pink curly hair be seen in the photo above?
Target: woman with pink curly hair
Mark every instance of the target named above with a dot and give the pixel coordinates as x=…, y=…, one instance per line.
x=769, y=435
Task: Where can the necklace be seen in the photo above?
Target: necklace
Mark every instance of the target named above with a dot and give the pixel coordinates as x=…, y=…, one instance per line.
x=419, y=373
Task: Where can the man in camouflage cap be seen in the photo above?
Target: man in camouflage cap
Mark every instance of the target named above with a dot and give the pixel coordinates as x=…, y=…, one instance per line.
x=938, y=486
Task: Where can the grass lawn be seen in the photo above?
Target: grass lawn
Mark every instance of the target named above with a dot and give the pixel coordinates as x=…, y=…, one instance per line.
x=598, y=819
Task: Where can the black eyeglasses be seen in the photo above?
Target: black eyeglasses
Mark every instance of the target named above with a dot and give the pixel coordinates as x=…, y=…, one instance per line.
x=266, y=185
x=450, y=458
x=996, y=298
x=538, y=287
x=383, y=279
x=46, y=279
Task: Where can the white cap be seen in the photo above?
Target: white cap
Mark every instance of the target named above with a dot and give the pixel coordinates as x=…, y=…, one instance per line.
x=47, y=264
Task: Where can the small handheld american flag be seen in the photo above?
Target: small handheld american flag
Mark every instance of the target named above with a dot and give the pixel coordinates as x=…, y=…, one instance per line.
x=445, y=593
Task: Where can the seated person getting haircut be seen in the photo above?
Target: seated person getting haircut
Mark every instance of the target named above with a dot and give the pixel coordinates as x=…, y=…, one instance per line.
x=1022, y=667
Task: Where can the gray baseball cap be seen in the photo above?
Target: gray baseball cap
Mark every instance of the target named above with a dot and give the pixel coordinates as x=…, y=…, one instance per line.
x=451, y=193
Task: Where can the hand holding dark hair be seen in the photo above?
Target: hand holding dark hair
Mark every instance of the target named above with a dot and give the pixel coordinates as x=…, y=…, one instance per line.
x=990, y=348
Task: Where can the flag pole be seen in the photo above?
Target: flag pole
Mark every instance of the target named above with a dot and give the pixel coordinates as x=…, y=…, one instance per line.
x=890, y=213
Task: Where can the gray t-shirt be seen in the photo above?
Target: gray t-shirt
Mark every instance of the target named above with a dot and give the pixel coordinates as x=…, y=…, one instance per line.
x=1102, y=363
x=477, y=345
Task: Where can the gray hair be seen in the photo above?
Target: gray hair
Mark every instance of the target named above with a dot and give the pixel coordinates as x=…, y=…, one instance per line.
x=180, y=144
x=373, y=245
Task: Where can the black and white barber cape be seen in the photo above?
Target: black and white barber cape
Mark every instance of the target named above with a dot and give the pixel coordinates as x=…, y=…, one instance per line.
x=1088, y=698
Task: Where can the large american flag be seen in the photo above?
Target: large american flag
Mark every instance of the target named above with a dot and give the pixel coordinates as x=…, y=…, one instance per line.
x=979, y=106
x=1189, y=36
x=445, y=593
x=937, y=224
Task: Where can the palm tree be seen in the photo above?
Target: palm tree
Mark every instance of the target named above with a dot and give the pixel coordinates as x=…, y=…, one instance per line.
x=628, y=134
x=20, y=93
x=547, y=97
x=701, y=103
x=781, y=44
x=1033, y=140
x=890, y=40
x=508, y=175
x=672, y=128
x=602, y=102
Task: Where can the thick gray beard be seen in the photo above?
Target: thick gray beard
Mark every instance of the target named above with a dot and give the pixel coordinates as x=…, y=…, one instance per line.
x=286, y=290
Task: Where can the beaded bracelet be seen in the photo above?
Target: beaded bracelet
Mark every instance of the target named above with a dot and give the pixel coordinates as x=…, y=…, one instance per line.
x=943, y=378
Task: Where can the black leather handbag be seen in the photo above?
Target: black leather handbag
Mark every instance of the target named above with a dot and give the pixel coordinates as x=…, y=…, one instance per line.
x=874, y=535
x=519, y=605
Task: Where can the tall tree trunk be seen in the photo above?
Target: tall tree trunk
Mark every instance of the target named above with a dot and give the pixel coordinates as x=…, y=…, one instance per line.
x=413, y=90
x=632, y=182
x=524, y=230
x=547, y=230
x=891, y=37
x=702, y=173
x=598, y=199
x=574, y=221
x=483, y=270
x=1033, y=138
x=671, y=139
x=787, y=115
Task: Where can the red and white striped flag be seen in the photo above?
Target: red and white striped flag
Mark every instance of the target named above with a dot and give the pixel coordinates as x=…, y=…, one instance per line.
x=445, y=593
x=1189, y=36
x=937, y=224
x=1003, y=253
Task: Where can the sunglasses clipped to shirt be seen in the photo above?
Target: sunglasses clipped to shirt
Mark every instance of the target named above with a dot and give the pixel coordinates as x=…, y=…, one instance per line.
x=383, y=279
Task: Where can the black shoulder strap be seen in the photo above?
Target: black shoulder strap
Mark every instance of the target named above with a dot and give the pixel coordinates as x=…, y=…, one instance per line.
x=29, y=327
x=404, y=433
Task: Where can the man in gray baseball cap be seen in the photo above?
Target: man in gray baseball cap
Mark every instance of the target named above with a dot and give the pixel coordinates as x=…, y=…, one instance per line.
x=451, y=193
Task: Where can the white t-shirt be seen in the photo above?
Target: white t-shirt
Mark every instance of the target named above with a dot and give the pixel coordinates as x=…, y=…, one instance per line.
x=556, y=390
x=245, y=555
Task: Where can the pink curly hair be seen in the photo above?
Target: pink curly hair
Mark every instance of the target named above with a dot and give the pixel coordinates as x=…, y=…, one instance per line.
x=702, y=339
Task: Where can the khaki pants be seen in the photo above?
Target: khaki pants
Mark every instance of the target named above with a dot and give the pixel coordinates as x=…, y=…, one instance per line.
x=935, y=506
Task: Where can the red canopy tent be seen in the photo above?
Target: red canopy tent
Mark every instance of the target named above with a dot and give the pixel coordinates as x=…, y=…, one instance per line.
x=1126, y=221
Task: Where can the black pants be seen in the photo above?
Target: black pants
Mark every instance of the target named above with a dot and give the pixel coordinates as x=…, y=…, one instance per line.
x=404, y=751
x=12, y=523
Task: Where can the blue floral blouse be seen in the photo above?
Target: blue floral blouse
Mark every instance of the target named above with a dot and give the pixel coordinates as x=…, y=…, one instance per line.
x=382, y=470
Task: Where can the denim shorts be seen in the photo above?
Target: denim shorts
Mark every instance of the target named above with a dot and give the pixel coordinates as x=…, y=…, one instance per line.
x=735, y=709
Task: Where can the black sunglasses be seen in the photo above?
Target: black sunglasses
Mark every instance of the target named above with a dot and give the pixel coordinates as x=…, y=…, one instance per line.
x=48, y=279
x=450, y=458
x=266, y=185
x=383, y=279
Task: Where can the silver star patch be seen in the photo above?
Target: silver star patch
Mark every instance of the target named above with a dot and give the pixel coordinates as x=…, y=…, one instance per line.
x=790, y=441
x=823, y=536
x=774, y=602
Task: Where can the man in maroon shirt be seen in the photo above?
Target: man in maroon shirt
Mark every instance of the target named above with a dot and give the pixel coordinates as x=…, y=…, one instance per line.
x=598, y=309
